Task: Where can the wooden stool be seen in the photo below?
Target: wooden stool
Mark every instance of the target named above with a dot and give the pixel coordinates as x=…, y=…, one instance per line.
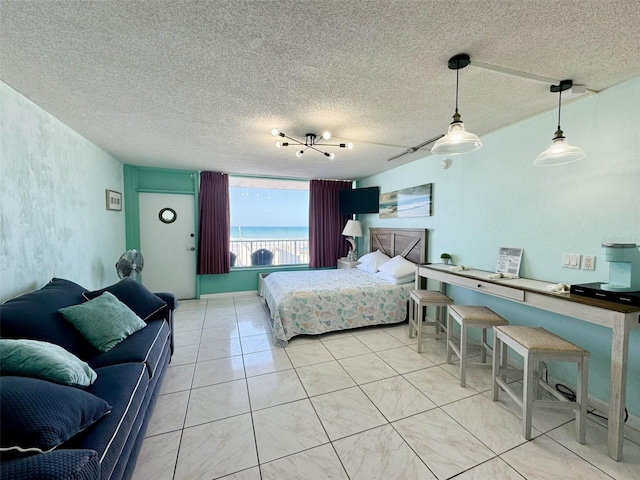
x=536, y=345
x=469, y=316
x=419, y=299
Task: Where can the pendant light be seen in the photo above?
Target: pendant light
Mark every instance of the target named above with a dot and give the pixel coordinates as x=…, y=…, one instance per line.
x=457, y=140
x=559, y=152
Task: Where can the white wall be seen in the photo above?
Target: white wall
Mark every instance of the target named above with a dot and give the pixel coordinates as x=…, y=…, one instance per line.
x=496, y=197
x=53, y=218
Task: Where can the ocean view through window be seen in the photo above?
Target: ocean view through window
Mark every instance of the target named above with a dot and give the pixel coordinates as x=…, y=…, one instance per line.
x=269, y=221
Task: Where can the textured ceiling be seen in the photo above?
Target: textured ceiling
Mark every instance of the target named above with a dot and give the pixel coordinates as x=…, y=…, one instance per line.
x=200, y=84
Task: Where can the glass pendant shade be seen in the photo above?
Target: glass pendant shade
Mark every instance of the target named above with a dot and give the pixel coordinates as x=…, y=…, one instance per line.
x=559, y=153
x=457, y=141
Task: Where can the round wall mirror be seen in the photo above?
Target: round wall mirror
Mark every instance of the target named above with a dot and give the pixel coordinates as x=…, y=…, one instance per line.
x=167, y=215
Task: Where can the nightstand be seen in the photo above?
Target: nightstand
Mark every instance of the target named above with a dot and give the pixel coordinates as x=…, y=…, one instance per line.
x=344, y=263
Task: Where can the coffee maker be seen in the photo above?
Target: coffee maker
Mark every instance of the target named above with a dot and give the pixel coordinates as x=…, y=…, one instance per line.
x=624, y=276
x=624, y=267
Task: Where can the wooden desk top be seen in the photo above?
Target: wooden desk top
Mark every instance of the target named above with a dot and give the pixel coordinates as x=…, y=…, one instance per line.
x=533, y=286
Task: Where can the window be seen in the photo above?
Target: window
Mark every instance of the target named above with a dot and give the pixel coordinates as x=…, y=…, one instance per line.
x=269, y=221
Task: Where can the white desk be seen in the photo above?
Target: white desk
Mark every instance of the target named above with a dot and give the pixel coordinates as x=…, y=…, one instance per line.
x=621, y=319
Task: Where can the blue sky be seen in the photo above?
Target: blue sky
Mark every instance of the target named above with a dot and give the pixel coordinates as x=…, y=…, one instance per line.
x=261, y=207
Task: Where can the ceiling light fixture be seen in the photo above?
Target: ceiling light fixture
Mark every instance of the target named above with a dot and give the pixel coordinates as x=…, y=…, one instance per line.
x=559, y=152
x=457, y=140
x=310, y=142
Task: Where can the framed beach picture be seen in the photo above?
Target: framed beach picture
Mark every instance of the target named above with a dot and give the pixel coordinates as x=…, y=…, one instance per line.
x=408, y=202
x=114, y=200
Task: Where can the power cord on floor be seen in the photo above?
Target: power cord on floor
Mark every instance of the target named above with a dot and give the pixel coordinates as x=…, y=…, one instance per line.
x=571, y=396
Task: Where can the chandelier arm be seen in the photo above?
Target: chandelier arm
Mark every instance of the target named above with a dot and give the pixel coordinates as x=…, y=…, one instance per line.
x=319, y=151
x=298, y=142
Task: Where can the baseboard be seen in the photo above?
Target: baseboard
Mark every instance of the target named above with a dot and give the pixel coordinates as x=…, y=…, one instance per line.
x=245, y=293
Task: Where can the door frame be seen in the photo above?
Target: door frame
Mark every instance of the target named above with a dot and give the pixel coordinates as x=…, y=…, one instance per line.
x=157, y=180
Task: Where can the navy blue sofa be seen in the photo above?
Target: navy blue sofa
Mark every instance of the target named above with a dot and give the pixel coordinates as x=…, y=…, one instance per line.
x=129, y=377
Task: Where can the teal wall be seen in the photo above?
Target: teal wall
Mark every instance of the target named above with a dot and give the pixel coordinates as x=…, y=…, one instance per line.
x=53, y=216
x=496, y=197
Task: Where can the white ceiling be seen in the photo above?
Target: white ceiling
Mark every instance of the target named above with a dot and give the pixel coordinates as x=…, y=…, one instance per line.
x=200, y=84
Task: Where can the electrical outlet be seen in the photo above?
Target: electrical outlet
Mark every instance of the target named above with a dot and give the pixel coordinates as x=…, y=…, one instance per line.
x=589, y=262
x=570, y=260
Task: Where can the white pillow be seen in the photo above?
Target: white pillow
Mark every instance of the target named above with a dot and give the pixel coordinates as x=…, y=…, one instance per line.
x=396, y=281
x=398, y=267
x=371, y=261
x=367, y=267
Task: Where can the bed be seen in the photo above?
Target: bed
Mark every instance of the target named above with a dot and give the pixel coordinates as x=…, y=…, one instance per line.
x=312, y=302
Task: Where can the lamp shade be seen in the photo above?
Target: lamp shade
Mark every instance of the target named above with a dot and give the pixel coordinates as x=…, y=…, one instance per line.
x=457, y=141
x=352, y=229
x=558, y=153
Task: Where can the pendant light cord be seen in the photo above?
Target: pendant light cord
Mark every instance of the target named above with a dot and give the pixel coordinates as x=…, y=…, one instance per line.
x=559, y=104
x=457, y=83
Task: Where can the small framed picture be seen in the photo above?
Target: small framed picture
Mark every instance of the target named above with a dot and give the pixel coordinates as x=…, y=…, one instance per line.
x=114, y=200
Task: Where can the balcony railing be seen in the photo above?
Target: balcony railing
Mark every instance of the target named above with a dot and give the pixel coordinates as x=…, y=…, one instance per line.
x=284, y=252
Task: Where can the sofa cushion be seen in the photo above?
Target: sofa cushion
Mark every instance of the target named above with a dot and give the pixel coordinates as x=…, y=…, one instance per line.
x=32, y=358
x=35, y=315
x=134, y=295
x=67, y=464
x=124, y=387
x=37, y=415
x=144, y=346
x=104, y=321
x=125, y=466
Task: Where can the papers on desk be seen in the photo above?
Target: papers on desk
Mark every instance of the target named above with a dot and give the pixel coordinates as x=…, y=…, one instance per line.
x=509, y=260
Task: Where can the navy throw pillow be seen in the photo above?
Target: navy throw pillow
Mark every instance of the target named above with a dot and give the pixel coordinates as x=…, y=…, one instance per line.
x=37, y=415
x=134, y=295
x=35, y=316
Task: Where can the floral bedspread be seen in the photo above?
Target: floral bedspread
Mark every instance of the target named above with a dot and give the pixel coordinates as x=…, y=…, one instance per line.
x=317, y=301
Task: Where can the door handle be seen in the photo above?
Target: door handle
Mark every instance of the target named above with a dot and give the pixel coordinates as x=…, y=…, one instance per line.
x=191, y=249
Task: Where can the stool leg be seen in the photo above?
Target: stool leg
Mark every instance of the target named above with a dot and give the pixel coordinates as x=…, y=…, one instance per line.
x=495, y=371
x=449, y=338
x=483, y=349
x=419, y=325
x=503, y=355
x=582, y=399
x=412, y=317
x=527, y=396
x=463, y=354
x=538, y=378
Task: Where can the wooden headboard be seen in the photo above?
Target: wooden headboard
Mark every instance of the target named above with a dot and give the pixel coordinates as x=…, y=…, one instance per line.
x=411, y=243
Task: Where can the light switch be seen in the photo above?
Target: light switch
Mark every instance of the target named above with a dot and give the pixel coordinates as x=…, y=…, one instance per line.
x=571, y=260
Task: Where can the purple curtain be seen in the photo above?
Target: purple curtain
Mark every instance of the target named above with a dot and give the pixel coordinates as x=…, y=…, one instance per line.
x=326, y=243
x=214, y=224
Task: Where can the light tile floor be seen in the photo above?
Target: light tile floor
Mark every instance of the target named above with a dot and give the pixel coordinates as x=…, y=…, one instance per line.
x=360, y=404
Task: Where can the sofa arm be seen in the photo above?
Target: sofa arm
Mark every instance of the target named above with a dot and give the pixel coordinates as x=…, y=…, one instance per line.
x=170, y=298
x=54, y=465
x=168, y=313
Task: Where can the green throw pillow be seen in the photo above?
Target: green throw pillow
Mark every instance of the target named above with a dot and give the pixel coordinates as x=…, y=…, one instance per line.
x=104, y=321
x=46, y=361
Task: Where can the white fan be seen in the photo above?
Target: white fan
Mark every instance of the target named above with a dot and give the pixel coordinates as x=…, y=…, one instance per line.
x=130, y=264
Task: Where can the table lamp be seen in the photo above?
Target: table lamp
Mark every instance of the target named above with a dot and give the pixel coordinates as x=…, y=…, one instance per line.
x=352, y=229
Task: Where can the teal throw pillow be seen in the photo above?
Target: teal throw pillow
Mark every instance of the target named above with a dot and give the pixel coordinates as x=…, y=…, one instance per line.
x=46, y=361
x=104, y=321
